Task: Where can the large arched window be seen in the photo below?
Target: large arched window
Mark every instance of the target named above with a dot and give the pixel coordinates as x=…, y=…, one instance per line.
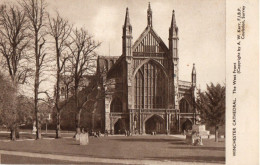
x=150, y=85
x=116, y=105
x=184, y=106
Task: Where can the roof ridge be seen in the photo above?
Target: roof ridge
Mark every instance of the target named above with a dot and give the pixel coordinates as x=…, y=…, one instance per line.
x=108, y=56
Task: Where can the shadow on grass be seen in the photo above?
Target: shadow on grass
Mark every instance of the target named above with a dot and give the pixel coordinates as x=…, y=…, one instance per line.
x=201, y=148
x=6, y=136
x=21, y=137
x=149, y=140
x=74, y=144
x=212, y=159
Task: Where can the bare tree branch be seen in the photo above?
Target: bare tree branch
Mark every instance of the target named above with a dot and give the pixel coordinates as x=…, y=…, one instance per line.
x=81, y=62
x=36, y=13
x=60, y=30
x=14, y=41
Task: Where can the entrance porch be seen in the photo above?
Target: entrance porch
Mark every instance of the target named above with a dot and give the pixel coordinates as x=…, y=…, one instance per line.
x=146, y=121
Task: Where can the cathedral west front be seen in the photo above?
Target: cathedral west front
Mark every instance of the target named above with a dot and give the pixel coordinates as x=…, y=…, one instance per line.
x=142, y=90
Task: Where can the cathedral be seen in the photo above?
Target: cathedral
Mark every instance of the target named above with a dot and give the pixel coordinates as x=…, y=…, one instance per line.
x=141, y=88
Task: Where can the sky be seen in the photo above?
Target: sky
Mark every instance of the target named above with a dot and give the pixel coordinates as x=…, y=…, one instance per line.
x=201, y=26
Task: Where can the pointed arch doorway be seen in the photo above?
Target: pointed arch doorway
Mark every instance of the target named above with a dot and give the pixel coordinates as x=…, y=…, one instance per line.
x=155, y=124
x=119, y=126
x=187, y=125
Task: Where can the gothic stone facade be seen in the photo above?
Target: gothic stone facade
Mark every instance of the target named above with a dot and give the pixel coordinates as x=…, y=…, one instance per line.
x=142, y=90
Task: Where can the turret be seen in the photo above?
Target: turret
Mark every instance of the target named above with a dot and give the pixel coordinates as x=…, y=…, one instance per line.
x=173, y=55
x=127, y=35
x=193, y=88
x=127, y=67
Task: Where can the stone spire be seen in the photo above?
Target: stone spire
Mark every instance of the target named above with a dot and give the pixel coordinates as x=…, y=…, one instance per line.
x=127, y=35
x=149, y=16
x=127, y=19
x=173, y=37
x=173, y=23
x=193, y=69
x=173, y=27
x=127, y=28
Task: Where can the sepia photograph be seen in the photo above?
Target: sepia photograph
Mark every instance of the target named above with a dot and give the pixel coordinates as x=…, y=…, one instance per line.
x=116, y=82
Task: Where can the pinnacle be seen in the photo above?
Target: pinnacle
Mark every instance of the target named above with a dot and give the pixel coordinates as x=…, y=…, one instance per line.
x=173, y=23
x=149, y=15
x=127, y=18
x=193, y=69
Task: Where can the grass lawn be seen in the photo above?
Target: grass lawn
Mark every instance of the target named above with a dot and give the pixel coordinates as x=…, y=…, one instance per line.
x=134, y=147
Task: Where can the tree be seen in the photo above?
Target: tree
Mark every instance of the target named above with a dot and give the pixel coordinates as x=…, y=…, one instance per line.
x=25, y=107
x=211, y=105
x=88, y=97
x=8, y=105
x=37, y=15
x=82, y=62
x=45, y=109
x=60, y=30
x=15, y=110
x=14, y=41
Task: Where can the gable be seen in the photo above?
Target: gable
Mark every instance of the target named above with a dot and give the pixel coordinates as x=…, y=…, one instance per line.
x=149, y=42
